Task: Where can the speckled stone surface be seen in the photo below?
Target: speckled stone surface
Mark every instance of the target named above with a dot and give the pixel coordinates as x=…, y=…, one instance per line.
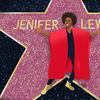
x=31, y=75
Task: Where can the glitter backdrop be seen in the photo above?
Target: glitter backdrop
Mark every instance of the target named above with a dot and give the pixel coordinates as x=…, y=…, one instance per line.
x=31, y=74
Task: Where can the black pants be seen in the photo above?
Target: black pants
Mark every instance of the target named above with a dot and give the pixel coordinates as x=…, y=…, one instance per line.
x=71, y=78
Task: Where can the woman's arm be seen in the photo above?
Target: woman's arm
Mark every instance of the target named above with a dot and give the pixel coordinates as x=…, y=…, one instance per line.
x=94, y=34
x=44, y=33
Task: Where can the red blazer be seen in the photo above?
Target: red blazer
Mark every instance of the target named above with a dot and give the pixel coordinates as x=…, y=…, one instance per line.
x=59, y=61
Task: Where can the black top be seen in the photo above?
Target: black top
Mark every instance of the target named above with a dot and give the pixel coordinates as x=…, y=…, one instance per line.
x=70, y=44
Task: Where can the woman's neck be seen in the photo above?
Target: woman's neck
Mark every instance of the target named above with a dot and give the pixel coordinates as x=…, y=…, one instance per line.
x=69, y=29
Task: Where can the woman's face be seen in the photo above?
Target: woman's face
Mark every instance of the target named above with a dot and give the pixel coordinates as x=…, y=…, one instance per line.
x=68, y=22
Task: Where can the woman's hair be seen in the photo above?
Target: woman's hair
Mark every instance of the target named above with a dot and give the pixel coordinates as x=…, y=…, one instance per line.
x=70, y=15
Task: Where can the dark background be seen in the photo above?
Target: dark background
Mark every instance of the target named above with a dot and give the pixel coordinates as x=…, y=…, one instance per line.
x=92, y=5
x=23, y=5
x=10, y=53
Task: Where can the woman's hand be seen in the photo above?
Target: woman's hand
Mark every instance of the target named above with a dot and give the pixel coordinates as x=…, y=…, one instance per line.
x=94, y=34
x=98, y=31
x=40, y=30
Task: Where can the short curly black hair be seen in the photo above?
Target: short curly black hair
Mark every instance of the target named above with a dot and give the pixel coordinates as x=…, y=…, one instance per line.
x=70, y=15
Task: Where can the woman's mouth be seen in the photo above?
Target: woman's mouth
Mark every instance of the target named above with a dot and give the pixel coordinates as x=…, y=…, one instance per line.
x=67, y=24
